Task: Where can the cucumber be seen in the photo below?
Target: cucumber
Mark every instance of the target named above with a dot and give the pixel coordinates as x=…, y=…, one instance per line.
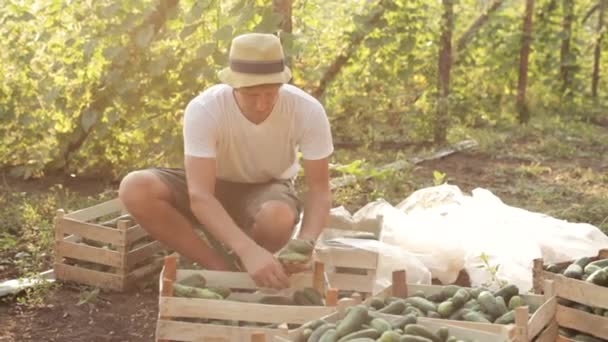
x=507, y=292
x=599, y=277
x=413, y=338
x=553, y=268
x=474, y=292
x=473, y=316
x=356, y=316
x=328, y=336
x=488, y=303
x=433, y=314
x=403, y=321
x=457, y=316
x=460, y=297
x=449, y=291
x=366, y=333
x=595, y=265
x=318, y=333
x=446, y=308
x=586, y=338
x=389, y=336
x=419, y=330
x=443, y=333
x=377, y=303
x=515, y=302
x=393, y=308
x=470, y=304
x=423, y=304
x=381, y=325
x=195, y=280
x=502, y=306
x=507, y=318
x=574, y=271
x=313, y=296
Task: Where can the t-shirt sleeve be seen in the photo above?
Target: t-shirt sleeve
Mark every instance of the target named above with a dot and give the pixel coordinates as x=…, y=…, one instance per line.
x=200, y=131
x=316, y=140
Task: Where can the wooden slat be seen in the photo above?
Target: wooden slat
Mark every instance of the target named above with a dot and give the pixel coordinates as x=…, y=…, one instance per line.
x=242, y=280
x=347, y=257
x=184, y=331
x=92, y=231
x=465, y=333
x=227, y=310
x=89, y=277
x=99, y=210
x=351, y=282
x=582, y=321
x=144, y=252
x=542, y=318
x=581, y=291
x=89, y=253
x=135, y=233
x=506, y=330
x=145, y=270
x=373, y=225
x=549, y=334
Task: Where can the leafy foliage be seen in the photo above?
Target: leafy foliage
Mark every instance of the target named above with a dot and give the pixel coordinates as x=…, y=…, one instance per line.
x=98, y=88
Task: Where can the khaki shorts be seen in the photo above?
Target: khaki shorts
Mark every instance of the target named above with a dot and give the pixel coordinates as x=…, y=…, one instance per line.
x=242, y=201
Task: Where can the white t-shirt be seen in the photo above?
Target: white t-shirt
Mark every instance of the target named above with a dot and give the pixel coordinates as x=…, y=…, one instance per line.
x=214, y=127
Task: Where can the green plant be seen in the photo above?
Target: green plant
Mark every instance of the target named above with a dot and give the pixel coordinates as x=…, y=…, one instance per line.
x=438, y=177
x=492, y=271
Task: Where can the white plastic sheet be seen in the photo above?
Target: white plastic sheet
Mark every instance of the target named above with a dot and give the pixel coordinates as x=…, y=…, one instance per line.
x=447, y=231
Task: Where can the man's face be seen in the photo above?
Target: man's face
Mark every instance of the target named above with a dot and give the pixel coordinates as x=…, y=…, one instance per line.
x=258, y=100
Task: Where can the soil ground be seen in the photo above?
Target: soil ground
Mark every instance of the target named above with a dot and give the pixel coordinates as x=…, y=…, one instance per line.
x=132, y=316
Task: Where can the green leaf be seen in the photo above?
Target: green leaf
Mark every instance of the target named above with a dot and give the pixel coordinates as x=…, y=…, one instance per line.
x=144, y=36
x=89, y=117
x=224, y=33
x=205, y=50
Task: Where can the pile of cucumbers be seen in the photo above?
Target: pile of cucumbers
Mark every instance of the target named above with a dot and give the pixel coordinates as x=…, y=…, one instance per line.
x=363, y=324
x=458, y=303
x=585, y=269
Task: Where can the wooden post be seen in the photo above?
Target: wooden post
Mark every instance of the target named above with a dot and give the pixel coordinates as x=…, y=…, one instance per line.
x=399, y=284
x=549, y=289
x=258, y=337
x=58, y=236
x=123, y=250
x=521, y=323
x=331, y=297
x=537, y=275
x=171, y=267
x=319, y=277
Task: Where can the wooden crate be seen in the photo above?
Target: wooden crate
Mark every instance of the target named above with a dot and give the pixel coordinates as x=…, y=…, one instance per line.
x=578, y=291
x=433, y=325
x=540, y=326
x=348, y=268
x=89, y=253
x=539, y=274
x=176, y=314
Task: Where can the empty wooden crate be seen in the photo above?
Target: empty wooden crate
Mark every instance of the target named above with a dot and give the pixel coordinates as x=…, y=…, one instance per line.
x=97, y=246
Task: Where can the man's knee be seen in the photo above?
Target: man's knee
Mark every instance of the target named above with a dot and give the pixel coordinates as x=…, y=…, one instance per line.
x=139, y=187
x=276, y=215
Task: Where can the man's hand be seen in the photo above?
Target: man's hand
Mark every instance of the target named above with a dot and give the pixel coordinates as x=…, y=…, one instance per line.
x=263, y=267
x=296, y=256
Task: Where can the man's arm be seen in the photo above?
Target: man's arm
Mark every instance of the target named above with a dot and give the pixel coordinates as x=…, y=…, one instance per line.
x=318, y=198
x=261, y=265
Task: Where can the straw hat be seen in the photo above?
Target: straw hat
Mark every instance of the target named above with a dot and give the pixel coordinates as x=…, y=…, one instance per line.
x=255, y=58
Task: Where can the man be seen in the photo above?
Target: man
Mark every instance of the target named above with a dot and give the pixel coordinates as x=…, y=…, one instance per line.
x=241, y=139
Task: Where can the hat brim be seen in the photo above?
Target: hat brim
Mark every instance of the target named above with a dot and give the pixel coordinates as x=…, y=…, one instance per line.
x=240, y=80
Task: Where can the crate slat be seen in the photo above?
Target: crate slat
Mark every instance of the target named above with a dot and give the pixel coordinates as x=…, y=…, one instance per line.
x=184, y=331
x=241, y=280
x=581, y=291
x=582, y=321
x=88, y=253
x=228, y=310
x=539, y=319
x=135, y=233
x=144, y=252
x=96, y=211
x=348, y=257
x=549, y=334
x=352, y=282
x=89, y=277
x=92, y=231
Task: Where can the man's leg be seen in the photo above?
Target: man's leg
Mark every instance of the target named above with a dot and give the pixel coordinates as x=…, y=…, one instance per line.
x=150, y=201
x=267, y=212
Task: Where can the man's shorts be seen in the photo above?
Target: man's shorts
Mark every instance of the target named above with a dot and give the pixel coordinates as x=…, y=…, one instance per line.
x=242, y=201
